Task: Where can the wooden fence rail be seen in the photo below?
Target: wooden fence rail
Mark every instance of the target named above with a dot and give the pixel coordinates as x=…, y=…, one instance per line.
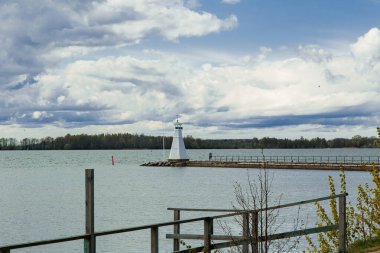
x=90, y=235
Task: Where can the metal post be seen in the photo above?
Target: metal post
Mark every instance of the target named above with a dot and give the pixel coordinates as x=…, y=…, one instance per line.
x=208, y=230
x=89, y=244
x=342, y=236
x=255, y=232
x=245, y=232
x=154, y=240
x=176, y=230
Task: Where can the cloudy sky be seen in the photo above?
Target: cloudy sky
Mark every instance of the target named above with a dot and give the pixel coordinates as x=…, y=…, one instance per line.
x=230, y=68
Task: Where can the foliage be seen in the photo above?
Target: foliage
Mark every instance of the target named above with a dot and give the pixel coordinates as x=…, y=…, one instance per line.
x=135, y=141
x=363, y=222
x=363, y=246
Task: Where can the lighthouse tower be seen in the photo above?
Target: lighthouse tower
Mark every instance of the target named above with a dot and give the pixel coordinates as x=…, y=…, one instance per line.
x=178, y=150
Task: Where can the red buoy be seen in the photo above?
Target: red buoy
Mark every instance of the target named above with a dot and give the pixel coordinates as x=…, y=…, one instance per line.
x=113, y=161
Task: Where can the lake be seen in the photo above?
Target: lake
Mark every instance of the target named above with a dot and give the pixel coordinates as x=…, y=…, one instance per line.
x=42, y=193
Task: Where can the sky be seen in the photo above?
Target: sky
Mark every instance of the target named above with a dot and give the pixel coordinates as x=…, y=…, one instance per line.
x=229, y=68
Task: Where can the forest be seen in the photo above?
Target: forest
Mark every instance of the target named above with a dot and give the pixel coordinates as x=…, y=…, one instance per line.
x=135, y=141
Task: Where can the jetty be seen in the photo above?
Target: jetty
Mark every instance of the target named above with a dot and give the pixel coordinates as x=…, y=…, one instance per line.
x=347, y=163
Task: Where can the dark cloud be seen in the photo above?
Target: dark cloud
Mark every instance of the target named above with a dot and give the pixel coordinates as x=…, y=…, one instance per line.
x=349, y=116
x=29, y=80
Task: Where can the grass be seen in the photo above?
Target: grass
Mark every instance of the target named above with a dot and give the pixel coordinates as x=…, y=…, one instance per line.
x=366, y=246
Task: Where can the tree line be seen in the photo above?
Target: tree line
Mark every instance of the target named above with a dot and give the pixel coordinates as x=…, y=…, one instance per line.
x=135, y=141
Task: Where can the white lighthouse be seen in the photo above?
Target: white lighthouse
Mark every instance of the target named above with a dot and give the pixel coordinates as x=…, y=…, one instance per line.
x=178, y=150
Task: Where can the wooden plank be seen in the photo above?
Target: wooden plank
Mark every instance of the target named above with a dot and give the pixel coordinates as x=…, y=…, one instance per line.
x=255, y=232
x=201, y=237
x=44, y=242
x=245, y=233
x=208, y=231
x=259, y=239
x=342, y=234
x=176, y=229
x=273, y=237
x=263, y=209
x=90, y=244
x=301, y=232
x=154, y=240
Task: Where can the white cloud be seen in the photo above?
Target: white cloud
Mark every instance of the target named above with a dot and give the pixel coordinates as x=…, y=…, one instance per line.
x=367, y=47
x=230, y=1
x=37, y=34
x=312, y=92
x=314, y=53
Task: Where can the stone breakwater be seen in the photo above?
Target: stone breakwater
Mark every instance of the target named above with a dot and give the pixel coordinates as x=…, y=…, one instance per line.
x=269, y=165
x=165, y=164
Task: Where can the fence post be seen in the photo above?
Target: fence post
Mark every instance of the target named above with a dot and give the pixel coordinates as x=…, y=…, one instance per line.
x=342, y=237
x=176, y=230
x=255, y=232
x=208, y=231
x=154, y=239
x=245, y=232
x=89, y=244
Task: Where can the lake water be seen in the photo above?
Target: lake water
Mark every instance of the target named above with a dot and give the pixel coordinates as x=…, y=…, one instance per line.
x=42, y=193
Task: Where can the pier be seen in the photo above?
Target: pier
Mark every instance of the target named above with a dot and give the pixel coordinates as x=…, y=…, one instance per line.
x=347, y=163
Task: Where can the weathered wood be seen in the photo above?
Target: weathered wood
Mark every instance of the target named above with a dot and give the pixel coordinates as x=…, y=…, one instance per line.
x=255, y=233
x=44, y=242
x=154, y=240
x=201, y=237
x=262, y=209
x=245, y=223
x=270, y=238
x=90, y=244
x=342, y=234
x=208, y=231
x=176, y=229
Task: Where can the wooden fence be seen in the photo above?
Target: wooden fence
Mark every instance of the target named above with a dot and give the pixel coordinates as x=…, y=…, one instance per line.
x=253, y=238
x=90, y=235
